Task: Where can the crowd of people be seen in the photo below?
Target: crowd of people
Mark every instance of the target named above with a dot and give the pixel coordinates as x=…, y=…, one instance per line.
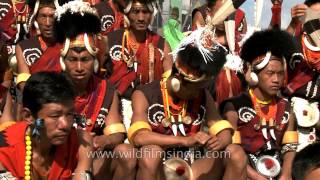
x=88, y=91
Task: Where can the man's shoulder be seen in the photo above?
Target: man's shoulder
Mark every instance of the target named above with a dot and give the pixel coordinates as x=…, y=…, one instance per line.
x=13, y=135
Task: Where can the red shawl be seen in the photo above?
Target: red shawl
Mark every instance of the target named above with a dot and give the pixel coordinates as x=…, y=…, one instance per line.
x=49, y=61
x=12, y=155
x=91, y=103
x=123, y=78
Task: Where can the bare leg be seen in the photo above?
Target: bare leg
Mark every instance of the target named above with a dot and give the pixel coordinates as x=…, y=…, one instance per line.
x=125, y=163
x=150, y=163
x=207, y=168
x=236, y=163
x=102, y=166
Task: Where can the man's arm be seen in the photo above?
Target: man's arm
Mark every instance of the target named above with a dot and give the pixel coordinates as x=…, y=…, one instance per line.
x=297, y=12
x=114, y=130
x=198, y=20
x=85, y=161
x=146, y=136
x=214, y=121
x=22, y=66
x=289, y=155
x=167, y=60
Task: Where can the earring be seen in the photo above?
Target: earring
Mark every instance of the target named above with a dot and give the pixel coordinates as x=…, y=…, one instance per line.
x=175, y=84
x=62, y=64
x=95, y=66
x=253, y=79
x=38, y=125
x=36, y=25
x=126, y=21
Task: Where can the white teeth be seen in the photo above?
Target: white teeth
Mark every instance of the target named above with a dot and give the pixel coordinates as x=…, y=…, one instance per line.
x=272, y=134
x=181, y=128
x=264, y=132
x=174, y=129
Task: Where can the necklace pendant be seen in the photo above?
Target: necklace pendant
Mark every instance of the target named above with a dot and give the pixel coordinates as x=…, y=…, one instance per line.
x=88, y=122
x=257, y=126
x=187, y=120
x=166, y=122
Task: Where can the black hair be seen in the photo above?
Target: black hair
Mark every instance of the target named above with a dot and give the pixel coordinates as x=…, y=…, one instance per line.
x=280, y=43
x=311, y=2
x=46, y=87
x=211, y=3
x=192, y=57
x=73, y=24
x=305, y=160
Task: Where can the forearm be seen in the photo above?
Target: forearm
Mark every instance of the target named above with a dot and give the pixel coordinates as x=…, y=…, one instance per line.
x=143, y=138
x=113, y=140
x=287, y=162
x=251, y=172
x=225, y=137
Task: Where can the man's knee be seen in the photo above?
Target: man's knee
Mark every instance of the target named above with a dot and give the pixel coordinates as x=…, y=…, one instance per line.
x=126, y=156
x=236, y=155
x=151, y=157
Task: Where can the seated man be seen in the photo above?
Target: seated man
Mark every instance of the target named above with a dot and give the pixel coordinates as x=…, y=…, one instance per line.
x=97, y=102
x=40, y=52
x=44, y=145
x=262, y=119
x=168, y=116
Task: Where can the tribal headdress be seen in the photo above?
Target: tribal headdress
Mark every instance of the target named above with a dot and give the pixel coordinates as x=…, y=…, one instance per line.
x=311, y=39
x=151, y=5
x=200, y=53
x=77, y=25
x=259, y=49
x=36, y=5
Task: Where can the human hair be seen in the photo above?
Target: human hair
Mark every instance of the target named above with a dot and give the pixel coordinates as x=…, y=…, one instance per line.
x=280, y=43
x=46, y=87
x=311, y=2
x=211, y=3
x=192, y=57
x=305, y=161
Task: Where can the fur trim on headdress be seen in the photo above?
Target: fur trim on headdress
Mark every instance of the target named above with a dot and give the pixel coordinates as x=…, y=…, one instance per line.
x=74, y=18
x=279, y=43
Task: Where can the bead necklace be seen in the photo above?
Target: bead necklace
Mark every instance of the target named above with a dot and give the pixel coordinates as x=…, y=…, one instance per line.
x=27, y=172
x=258, y=100
x=181, y=108
x=269, y=117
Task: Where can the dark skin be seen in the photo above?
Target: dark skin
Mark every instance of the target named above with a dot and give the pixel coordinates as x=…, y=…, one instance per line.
x=140, y=18
x=58, y=119
x=79, y=66
x=45, y=19
x=270, y=80
x=155, y=142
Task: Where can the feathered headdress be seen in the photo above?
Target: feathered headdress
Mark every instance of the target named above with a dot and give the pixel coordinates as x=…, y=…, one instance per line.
x=76, y=24
x=204, y=39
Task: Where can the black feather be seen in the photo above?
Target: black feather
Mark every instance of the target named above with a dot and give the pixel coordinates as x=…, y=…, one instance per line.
x=71, y=25
x=280, y=43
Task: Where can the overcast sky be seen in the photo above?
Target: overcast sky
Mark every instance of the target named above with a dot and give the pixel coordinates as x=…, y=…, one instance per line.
x=248, y=7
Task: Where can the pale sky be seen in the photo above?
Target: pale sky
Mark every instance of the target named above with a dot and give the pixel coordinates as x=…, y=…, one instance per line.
x=248, y=7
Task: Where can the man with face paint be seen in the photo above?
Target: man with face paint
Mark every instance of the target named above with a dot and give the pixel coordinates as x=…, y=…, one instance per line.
x=44, y=145
x=138, y=55
x=304, y=80
x=168, y=116
x=265, y=126
x=97, y=104
x=40, y=52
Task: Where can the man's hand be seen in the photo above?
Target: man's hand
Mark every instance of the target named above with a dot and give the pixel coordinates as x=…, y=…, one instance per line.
x=100, y=142
x=298, y=12
x=198, y=139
